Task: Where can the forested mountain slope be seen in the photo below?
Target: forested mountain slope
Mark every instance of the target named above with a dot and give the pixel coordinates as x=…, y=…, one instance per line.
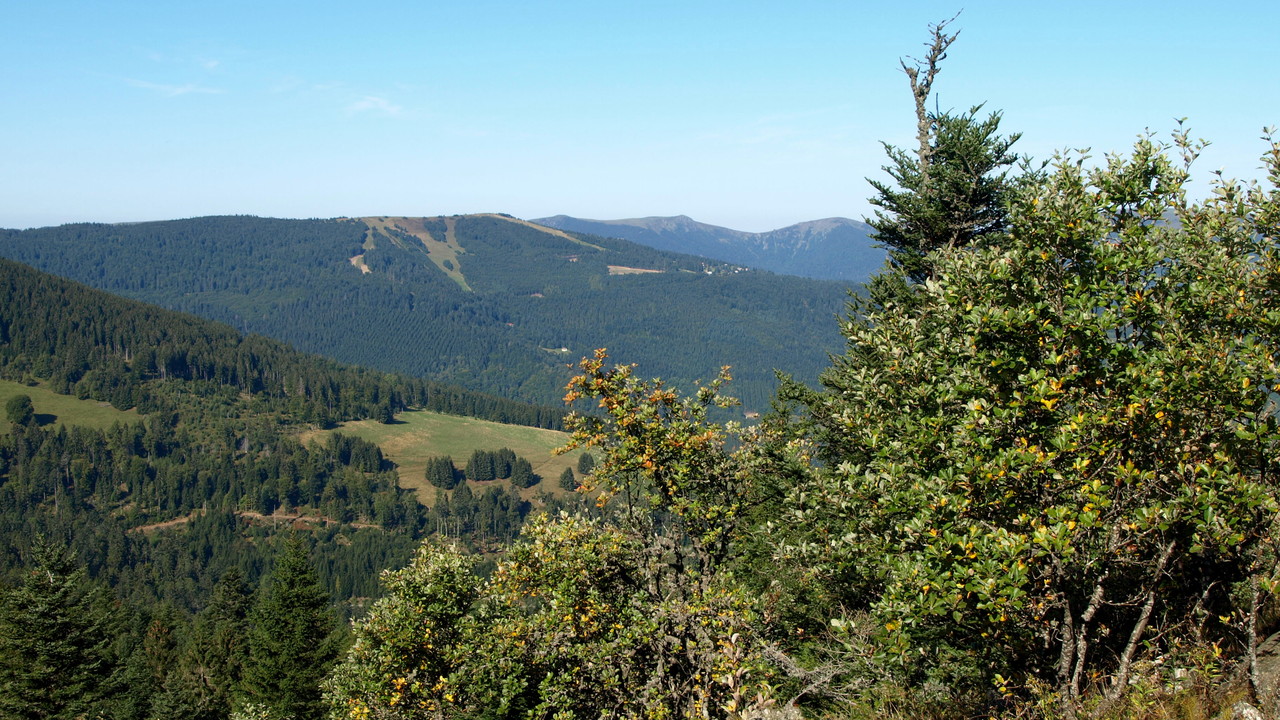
x=161, y=507
x=828, y=249
x=485, y=301
x=131, y=543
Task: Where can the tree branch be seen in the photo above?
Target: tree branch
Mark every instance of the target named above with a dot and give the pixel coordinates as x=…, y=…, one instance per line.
x=922, y=86
x=1126, y=658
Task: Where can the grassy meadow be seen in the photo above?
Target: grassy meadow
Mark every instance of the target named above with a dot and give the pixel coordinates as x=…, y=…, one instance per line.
x=409, y=442
x=54, y=409
x=419, y=434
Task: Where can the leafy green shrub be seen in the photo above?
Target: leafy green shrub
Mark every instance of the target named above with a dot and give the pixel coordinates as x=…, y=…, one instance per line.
x=19, y=410
x=1058, y=457
x=567, y=626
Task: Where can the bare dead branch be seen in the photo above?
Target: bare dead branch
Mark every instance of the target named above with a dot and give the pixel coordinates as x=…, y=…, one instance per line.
x=922, y=86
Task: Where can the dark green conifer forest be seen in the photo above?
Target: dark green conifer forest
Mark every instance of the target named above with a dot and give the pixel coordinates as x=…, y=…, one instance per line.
x=173, y=521
x=530, y=301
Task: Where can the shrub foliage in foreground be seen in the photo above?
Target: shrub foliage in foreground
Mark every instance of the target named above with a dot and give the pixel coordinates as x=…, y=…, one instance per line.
x=570, y=625
x=1062, y=456
x=626, y=613
x=1054, y=463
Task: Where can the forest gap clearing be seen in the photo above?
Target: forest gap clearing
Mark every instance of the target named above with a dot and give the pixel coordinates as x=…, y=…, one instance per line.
x=418, y=435
x=52, y=408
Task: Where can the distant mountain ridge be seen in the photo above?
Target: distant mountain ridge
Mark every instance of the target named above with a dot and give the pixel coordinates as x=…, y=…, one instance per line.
x=487, y=302
x=828, y=249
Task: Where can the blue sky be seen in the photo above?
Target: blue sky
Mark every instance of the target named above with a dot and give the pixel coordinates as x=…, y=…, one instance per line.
x=753, y=115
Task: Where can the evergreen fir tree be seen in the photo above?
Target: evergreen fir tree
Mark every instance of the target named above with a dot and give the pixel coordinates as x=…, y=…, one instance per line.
x=181, y=697
x=56, y=633
x=291, y=643
x=503, y=461
x=153, y=656
x=522, y=475
x=219, y=650
x=567, y=480
x=950, y=192
x=442, y=473
x=480, y=466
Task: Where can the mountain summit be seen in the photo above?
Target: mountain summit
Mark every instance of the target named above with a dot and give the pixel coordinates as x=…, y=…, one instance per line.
x=829, y=249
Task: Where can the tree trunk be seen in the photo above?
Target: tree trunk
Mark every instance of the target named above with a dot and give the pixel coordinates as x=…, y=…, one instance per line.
x=922, y=86
x=1140, y=627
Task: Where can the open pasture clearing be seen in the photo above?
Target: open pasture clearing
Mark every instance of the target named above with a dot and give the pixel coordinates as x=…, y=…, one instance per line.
x=54, y=409
x=418, y=435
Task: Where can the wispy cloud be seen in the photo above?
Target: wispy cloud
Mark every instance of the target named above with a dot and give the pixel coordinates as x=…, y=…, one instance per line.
x=373, y=103
x=174, y=90
x=340, y=95
x=818, y=127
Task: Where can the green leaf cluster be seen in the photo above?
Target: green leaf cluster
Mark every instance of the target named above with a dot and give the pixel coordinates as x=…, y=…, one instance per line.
x=1062, y=453
x=568, y=625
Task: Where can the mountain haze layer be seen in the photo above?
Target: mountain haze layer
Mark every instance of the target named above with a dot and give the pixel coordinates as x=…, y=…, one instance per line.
x=829, y=249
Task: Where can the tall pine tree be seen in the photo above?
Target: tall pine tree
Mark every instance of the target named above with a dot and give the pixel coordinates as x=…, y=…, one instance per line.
x=291, y=641
x=216, y=654
x=56, y=633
